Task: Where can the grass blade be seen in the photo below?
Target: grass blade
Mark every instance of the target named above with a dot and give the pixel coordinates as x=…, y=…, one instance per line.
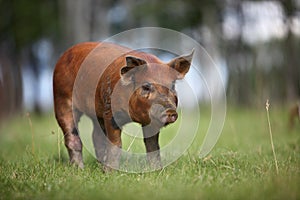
x=271, y=137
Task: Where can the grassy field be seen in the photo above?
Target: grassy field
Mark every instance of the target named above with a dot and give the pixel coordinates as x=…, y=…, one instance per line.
x=34, y=164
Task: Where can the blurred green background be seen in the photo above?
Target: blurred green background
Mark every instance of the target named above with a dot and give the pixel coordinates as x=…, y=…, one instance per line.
x=255, y=45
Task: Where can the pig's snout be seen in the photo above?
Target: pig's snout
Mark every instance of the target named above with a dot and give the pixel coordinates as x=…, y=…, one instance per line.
x=164, y=115
x=170, y=116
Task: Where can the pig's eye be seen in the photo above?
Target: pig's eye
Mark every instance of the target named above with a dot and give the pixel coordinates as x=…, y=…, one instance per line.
x=147, y=87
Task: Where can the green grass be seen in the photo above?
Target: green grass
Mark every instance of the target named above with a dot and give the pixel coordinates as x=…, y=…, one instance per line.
x=241, y=166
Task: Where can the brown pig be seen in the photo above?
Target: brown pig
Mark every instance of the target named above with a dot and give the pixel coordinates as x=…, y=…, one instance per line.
x=114, y=85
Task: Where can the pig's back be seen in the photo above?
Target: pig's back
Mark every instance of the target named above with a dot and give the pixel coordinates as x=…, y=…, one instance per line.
x=79, y=69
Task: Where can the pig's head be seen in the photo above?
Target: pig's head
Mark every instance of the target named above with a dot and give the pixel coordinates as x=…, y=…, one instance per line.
x=154, y=100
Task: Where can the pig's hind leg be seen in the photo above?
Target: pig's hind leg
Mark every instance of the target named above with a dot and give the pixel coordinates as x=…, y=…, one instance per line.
x=67, y=120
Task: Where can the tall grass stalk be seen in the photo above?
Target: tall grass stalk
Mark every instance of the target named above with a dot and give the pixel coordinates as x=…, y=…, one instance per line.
x=58, y=145
x=32, y=132
x=271, y=137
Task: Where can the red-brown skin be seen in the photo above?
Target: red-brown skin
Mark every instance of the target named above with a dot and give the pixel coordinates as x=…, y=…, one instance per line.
x=116, y=86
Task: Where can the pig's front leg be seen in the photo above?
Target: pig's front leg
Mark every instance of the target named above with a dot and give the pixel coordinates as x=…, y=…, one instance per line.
x=113, y=146
x=99, y=139
x=152, y=148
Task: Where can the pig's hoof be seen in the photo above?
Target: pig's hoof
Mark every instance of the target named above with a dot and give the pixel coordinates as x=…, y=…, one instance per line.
x=77, y=164
x=81, y=165
x=156, y=165
x=107, y=169
x=76, y=159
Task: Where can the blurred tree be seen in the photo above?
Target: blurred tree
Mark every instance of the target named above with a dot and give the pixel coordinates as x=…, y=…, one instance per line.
x=22, y=23
x=256, y=71
x=25, y=21
x=238, y=56
x=291, y=54
x=177, y=15
x=82, y=21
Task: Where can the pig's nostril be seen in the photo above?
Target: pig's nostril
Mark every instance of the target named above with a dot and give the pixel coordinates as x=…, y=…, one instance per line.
x=172, y=116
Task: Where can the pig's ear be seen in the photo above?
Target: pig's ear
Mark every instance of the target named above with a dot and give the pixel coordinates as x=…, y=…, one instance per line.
x=127, y=72
x=182, y=64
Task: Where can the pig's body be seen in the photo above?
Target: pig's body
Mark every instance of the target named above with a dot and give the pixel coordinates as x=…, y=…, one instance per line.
x=114, y=85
